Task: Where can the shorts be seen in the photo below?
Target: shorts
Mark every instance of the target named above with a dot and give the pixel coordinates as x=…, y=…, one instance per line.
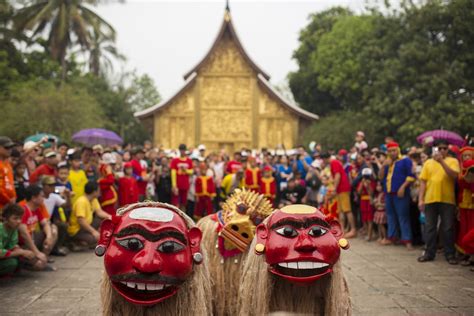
x=343, y=202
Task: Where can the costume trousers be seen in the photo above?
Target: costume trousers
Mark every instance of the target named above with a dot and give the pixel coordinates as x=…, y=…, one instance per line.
x=446, y=212
x=398, y=217
x=203, y=207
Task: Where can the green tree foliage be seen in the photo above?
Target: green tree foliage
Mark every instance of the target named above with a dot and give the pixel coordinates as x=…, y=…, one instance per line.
x=39, y=106
x=67, y=23
x=407, y=71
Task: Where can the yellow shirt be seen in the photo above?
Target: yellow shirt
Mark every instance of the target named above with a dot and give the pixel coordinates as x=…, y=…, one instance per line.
x=82, y=208
x=78, y=180
x=439, y=186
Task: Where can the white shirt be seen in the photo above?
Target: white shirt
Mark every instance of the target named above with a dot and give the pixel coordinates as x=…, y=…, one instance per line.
x=53, y=200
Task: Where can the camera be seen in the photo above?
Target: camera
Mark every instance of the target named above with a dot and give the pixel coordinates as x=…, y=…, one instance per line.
x=51, y=139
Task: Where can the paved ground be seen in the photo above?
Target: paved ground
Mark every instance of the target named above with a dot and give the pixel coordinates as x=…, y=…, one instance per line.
x=383, y=281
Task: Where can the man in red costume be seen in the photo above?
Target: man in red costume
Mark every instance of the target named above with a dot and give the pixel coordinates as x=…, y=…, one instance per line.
x=205, y=191
x=181, y=169
x=151, y=255
x=297, y=245
x=140, y=172
x=108, y=194
x=128, y=186
x=268, y=185
x=466, y=202
x=253, y=175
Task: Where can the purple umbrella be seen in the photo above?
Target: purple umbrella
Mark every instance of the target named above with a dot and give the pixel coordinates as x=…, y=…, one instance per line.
x=427, y=138
x=97, y=136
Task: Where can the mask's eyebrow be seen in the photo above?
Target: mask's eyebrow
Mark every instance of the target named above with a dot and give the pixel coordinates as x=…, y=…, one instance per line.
x=135, y=229
x=304, y=223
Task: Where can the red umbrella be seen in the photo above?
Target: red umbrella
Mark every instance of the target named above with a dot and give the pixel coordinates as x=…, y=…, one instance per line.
x=427, y=138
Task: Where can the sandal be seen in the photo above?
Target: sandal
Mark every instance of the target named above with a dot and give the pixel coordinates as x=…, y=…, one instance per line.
x=452, y=260
x=425, y=259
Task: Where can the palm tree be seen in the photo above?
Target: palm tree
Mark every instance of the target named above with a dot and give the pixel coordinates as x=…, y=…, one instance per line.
x=69, y=22
x=101, y=52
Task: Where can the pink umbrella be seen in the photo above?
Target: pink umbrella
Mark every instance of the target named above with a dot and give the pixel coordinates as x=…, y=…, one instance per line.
x=427, y=138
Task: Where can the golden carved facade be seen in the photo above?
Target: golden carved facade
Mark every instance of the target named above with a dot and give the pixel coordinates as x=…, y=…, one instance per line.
x=226, y=103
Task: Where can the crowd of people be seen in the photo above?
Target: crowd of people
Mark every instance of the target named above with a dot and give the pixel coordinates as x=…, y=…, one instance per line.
x=53, y=196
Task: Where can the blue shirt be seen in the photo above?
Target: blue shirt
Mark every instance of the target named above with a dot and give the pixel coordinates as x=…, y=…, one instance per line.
x=300, y=166
x=396, y=174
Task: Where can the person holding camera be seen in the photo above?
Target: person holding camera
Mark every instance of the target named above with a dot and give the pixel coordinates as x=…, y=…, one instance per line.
x=48, y=168
x=437, y=199
x=396, y=175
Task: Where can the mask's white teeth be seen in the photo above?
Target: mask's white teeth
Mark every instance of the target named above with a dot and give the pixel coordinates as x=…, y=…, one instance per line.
x=292, y=265
x=123, y=282
x=141, y=286
x=305, y=265
x=131, y=285
x=150, y=287
x=283, y=264
x=159, y=287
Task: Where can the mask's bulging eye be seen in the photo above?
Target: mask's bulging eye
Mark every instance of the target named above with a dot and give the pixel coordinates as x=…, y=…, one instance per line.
x=317, y=231
x=287, y=231
x=132, y=244
x=170, y=247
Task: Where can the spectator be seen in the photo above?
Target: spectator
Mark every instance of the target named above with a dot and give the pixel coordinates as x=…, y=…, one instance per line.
x=21, y=183
x=163, y=183
x=293, y=194
x=365, y=190
x=53, y=202
x=85, y=218
x=42, y=241
x=231, y=182
x=77, y=177
x=128, y=187
x=49, y=168
x=360, y=142
x=235, y=165
x=7, y=183
x=284, y=172
x=139, y=172
x=302, y=162
x=437, y=199
x=397, y=176
x=380, y=218
x=342, y=193
x=108, y=194
x=10, y=251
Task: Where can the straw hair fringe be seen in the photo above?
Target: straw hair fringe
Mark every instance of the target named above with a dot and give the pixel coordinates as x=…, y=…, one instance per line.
x=192, y=298
x=225, y=276
x=262, y=293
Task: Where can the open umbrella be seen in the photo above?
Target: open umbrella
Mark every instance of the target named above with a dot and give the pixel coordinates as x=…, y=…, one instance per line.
x=37, y=137
x=427, y=138
x=97, y=136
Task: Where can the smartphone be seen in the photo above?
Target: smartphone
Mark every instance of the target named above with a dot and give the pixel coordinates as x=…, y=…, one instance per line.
x=435, y=150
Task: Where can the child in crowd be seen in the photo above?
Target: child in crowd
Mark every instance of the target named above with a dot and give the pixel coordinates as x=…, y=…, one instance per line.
x=205, y=191
x=9, y=249
x=380, y=218
x=365, y=189
x=268, y=184
x=163, y=183
x=77, y=177
x=128, y=186
x=20, y=181
x=62, y=182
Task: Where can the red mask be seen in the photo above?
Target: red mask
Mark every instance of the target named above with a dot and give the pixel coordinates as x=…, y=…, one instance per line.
x=149, y=253
x=300, y=243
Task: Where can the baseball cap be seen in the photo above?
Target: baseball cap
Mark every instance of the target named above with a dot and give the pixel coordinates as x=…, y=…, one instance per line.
x=29, y=145
x=50, y=154
x=48, y=180
x=366, y=172
x=182, y=147
x=109, y=158
x=6, y=142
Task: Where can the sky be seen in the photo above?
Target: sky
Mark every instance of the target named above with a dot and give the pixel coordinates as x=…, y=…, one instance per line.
x=166, y=39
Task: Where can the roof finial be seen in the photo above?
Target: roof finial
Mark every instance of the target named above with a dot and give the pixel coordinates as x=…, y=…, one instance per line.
x=227, y=12
x=227, y=7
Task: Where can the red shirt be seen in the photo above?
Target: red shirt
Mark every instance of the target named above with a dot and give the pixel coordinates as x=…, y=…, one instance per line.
x=42, y=170
x=139, y=172
x=182, y=168
x=233, y=166
x=253, y=178
x=31, y=218
x=7, y=186
x=205, y=186
x=128, y=191
x=344, y=185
